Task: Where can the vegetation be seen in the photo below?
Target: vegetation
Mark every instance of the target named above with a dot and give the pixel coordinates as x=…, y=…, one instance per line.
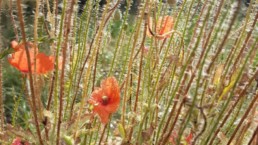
x=176, y=72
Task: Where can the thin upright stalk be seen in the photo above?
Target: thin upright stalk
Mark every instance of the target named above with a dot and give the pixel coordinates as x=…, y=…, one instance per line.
x=35, y=30
x=246, y=39
x=80, y=52
x=1, y=86
x=231, y=110
x=56, y=73
x=199, y=64
x=94, y=46
x=50, y=96
x=119, y=39
x=131, y=63
x=35, y=44
x=111, y=11
x=173, y=94
x=95, y=70
x=102, y=134
x=225, y=105
x=97, y=38
x=254, y=136
x=12, y=20
x=30, y=72
x=55, y=8
x=52, y=34
x=243, y=118
x=139, y=80
x=232, y=21
x=1, y=99
x=62, y=79
x=164, y=140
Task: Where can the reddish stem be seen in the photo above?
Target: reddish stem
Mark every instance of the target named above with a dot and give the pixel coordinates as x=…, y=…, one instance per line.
x=30, y=72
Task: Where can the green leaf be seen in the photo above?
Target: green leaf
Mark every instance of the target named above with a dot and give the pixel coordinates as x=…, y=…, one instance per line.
x=68, y=140
x=230, y=84
x=121, y=130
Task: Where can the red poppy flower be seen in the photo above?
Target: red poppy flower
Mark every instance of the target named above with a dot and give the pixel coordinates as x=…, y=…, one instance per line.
x=163, y=27
x=106, y=99
x=18, y=141
x=18, y=59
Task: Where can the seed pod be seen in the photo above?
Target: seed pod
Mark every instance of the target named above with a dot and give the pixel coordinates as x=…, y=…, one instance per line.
x=117, y=15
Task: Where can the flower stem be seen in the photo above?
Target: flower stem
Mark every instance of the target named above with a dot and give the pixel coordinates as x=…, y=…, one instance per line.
x=30, y=72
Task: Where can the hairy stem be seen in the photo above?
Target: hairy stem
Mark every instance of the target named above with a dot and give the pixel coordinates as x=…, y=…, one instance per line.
x=30, y=72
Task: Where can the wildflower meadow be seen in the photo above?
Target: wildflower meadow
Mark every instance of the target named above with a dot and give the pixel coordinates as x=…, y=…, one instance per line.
x=128, y=72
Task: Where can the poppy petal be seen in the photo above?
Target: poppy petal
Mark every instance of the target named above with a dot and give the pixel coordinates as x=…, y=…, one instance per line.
x=97, y=94
x=21, y=46
x=40, y=63
x=19, y=60
x=103, y=114
x=112, y=107
x=164, y=25
x=44, y=63
x=111, y=89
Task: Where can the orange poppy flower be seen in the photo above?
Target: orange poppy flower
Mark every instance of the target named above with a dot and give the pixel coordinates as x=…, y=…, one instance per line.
x=163, y=27
x=18, y=59
x=106, y=99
